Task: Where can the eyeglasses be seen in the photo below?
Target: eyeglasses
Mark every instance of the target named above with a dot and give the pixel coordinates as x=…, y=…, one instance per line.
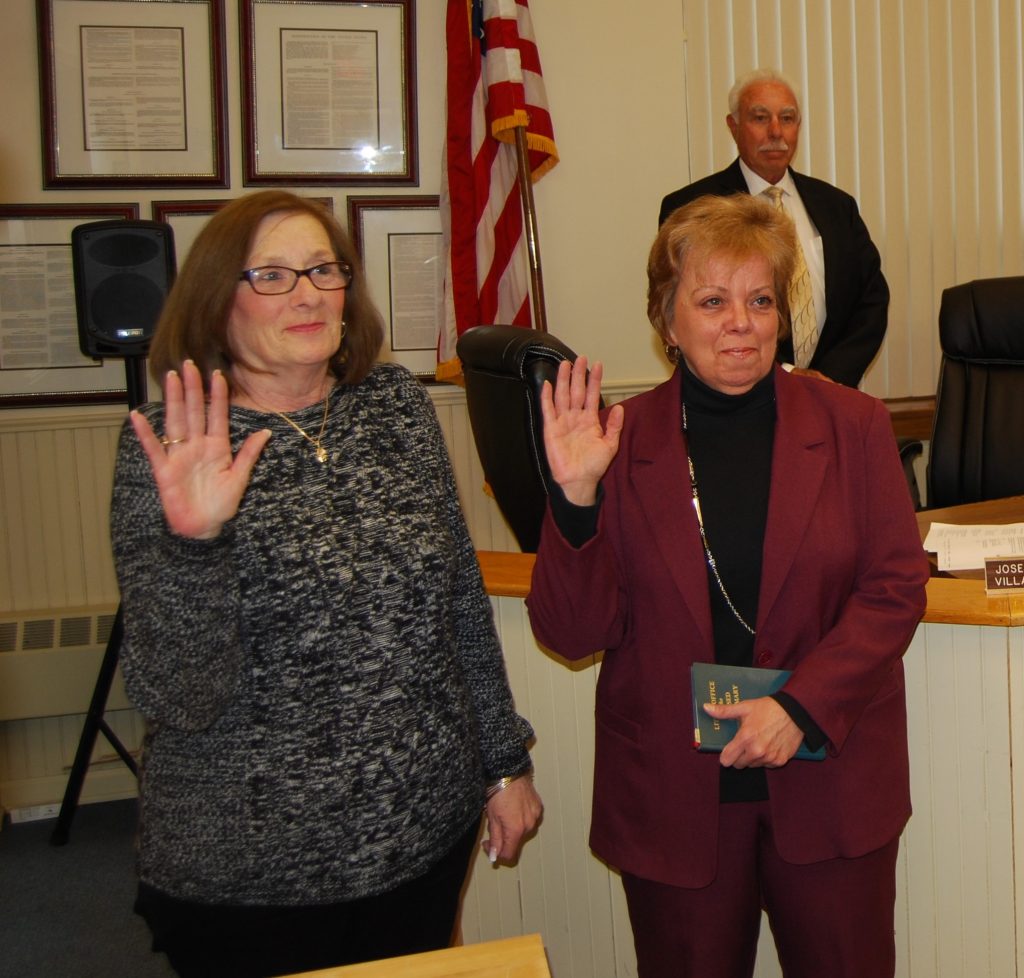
x=328, y=276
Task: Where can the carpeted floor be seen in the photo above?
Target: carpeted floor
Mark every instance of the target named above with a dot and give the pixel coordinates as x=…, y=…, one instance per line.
x=66, y=911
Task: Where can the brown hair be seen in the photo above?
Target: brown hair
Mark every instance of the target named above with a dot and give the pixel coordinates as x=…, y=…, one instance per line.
x=738, y=227
x=194, y=322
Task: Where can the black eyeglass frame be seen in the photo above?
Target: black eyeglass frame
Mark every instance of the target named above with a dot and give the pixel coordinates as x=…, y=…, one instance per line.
x=343, y=267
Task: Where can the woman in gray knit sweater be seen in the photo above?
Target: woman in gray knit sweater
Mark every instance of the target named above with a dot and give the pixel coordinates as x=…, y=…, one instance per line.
x=306, y=631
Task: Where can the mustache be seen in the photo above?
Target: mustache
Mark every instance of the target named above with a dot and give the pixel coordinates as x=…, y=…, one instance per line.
x=774, y=146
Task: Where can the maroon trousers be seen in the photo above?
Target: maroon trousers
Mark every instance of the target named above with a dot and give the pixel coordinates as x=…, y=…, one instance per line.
x=833, y=918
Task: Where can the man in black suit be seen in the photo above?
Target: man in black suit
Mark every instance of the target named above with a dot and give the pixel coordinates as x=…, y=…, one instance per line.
x=851, y=297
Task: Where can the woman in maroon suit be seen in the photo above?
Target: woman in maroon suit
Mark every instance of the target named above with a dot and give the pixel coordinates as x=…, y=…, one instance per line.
x=741, y=515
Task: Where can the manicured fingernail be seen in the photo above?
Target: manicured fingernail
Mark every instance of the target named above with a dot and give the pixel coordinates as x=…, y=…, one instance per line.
x=493, y=856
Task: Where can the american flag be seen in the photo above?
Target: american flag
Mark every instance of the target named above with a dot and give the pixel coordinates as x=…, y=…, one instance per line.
x=494, y=85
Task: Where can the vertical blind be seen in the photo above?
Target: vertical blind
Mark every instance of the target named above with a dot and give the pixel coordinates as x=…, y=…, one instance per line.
x=916, y=107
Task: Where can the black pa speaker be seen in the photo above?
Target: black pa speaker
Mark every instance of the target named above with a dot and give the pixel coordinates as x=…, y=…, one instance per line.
x=123, y=272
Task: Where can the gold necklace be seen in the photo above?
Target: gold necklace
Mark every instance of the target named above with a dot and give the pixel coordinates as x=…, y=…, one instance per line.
x=321, y=452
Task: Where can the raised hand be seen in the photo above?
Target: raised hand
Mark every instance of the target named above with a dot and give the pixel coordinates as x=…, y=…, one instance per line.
x=579, y=450
x=201, y=484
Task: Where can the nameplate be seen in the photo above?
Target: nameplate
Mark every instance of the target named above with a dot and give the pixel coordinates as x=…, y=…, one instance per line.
x=1004, y=575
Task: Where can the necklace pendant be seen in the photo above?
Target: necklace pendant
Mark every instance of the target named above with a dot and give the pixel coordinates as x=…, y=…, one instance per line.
x=321, y=454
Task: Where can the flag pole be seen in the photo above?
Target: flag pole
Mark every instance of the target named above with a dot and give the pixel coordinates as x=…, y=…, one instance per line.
x=540, y=322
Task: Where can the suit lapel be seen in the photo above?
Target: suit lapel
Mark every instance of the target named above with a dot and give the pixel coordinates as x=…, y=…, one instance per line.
x=658, y=476
x=733, y=179
x=798, y=473
x=659, y=479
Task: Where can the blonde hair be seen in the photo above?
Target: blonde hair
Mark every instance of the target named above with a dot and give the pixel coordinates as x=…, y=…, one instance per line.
x=737, y=228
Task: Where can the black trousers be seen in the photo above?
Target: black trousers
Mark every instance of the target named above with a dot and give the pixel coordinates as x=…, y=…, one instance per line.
x=217, y=941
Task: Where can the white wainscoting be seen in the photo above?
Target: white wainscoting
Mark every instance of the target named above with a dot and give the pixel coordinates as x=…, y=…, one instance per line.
x=960, y=910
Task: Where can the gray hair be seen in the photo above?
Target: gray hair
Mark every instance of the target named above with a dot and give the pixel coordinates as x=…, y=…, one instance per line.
x=753, y=78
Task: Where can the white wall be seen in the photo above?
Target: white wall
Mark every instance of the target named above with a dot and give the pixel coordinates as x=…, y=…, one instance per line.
x=615, y=82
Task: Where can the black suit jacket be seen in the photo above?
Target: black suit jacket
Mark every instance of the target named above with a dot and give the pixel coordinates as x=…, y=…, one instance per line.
x=856, y=293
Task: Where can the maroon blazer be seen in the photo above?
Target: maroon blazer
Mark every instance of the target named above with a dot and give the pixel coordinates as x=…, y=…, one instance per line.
x=842, y=590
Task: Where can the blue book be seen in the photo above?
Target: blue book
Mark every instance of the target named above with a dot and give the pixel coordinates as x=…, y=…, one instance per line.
x=712, y=683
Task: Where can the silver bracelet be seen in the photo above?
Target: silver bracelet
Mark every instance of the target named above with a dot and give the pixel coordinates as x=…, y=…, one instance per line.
x=502, y=783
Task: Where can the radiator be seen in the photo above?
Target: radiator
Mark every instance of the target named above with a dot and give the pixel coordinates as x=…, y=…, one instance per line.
x=49, y=661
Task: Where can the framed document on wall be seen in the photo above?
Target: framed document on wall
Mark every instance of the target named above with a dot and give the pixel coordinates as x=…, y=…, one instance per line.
x=399, y=241
x=329, y=92
x=40, y=360
x=132, y=93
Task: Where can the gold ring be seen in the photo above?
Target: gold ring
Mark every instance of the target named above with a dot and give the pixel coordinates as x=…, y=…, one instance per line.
x=172, y=441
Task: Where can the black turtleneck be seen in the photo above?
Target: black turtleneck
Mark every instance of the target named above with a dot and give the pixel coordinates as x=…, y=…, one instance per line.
x=729, y=438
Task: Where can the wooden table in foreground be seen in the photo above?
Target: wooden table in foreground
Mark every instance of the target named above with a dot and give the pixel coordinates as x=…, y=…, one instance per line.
x=515, y=957
x=951, y=601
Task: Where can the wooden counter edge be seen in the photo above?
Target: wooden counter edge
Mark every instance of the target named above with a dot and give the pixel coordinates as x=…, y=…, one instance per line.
x=950, y=601
x=964, y=602
x=510, y=957
x=506, y=575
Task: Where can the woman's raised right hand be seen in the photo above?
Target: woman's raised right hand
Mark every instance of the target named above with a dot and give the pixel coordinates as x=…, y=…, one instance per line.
x=201, y=483
x=579, y=449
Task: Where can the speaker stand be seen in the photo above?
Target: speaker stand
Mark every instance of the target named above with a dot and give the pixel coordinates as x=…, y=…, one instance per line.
x=135, y=384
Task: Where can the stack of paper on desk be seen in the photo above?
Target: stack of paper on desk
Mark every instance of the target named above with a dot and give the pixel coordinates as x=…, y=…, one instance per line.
x=966, y=547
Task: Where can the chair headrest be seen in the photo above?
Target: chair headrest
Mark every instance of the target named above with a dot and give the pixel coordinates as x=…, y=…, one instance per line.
x=984, y=320
x=507, y=349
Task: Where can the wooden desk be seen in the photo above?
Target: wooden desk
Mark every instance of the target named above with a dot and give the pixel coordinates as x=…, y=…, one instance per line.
x=1009, y=510
x=516, y=957
x=951, y=601
x=960, y=599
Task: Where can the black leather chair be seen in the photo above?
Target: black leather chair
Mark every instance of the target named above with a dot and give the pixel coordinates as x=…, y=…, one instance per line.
x=977, y=446
x=504, y=368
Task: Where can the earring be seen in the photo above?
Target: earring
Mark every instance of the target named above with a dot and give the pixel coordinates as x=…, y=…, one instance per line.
x=341, y=355
x=672, y=352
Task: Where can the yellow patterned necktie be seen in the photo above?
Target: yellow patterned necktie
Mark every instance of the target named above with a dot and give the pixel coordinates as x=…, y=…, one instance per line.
x=801, y=299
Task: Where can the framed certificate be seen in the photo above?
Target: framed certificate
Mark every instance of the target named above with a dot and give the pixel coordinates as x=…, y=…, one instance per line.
x=329, y=92
x=399, y=241
x=133, y=93
x=40, y=360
